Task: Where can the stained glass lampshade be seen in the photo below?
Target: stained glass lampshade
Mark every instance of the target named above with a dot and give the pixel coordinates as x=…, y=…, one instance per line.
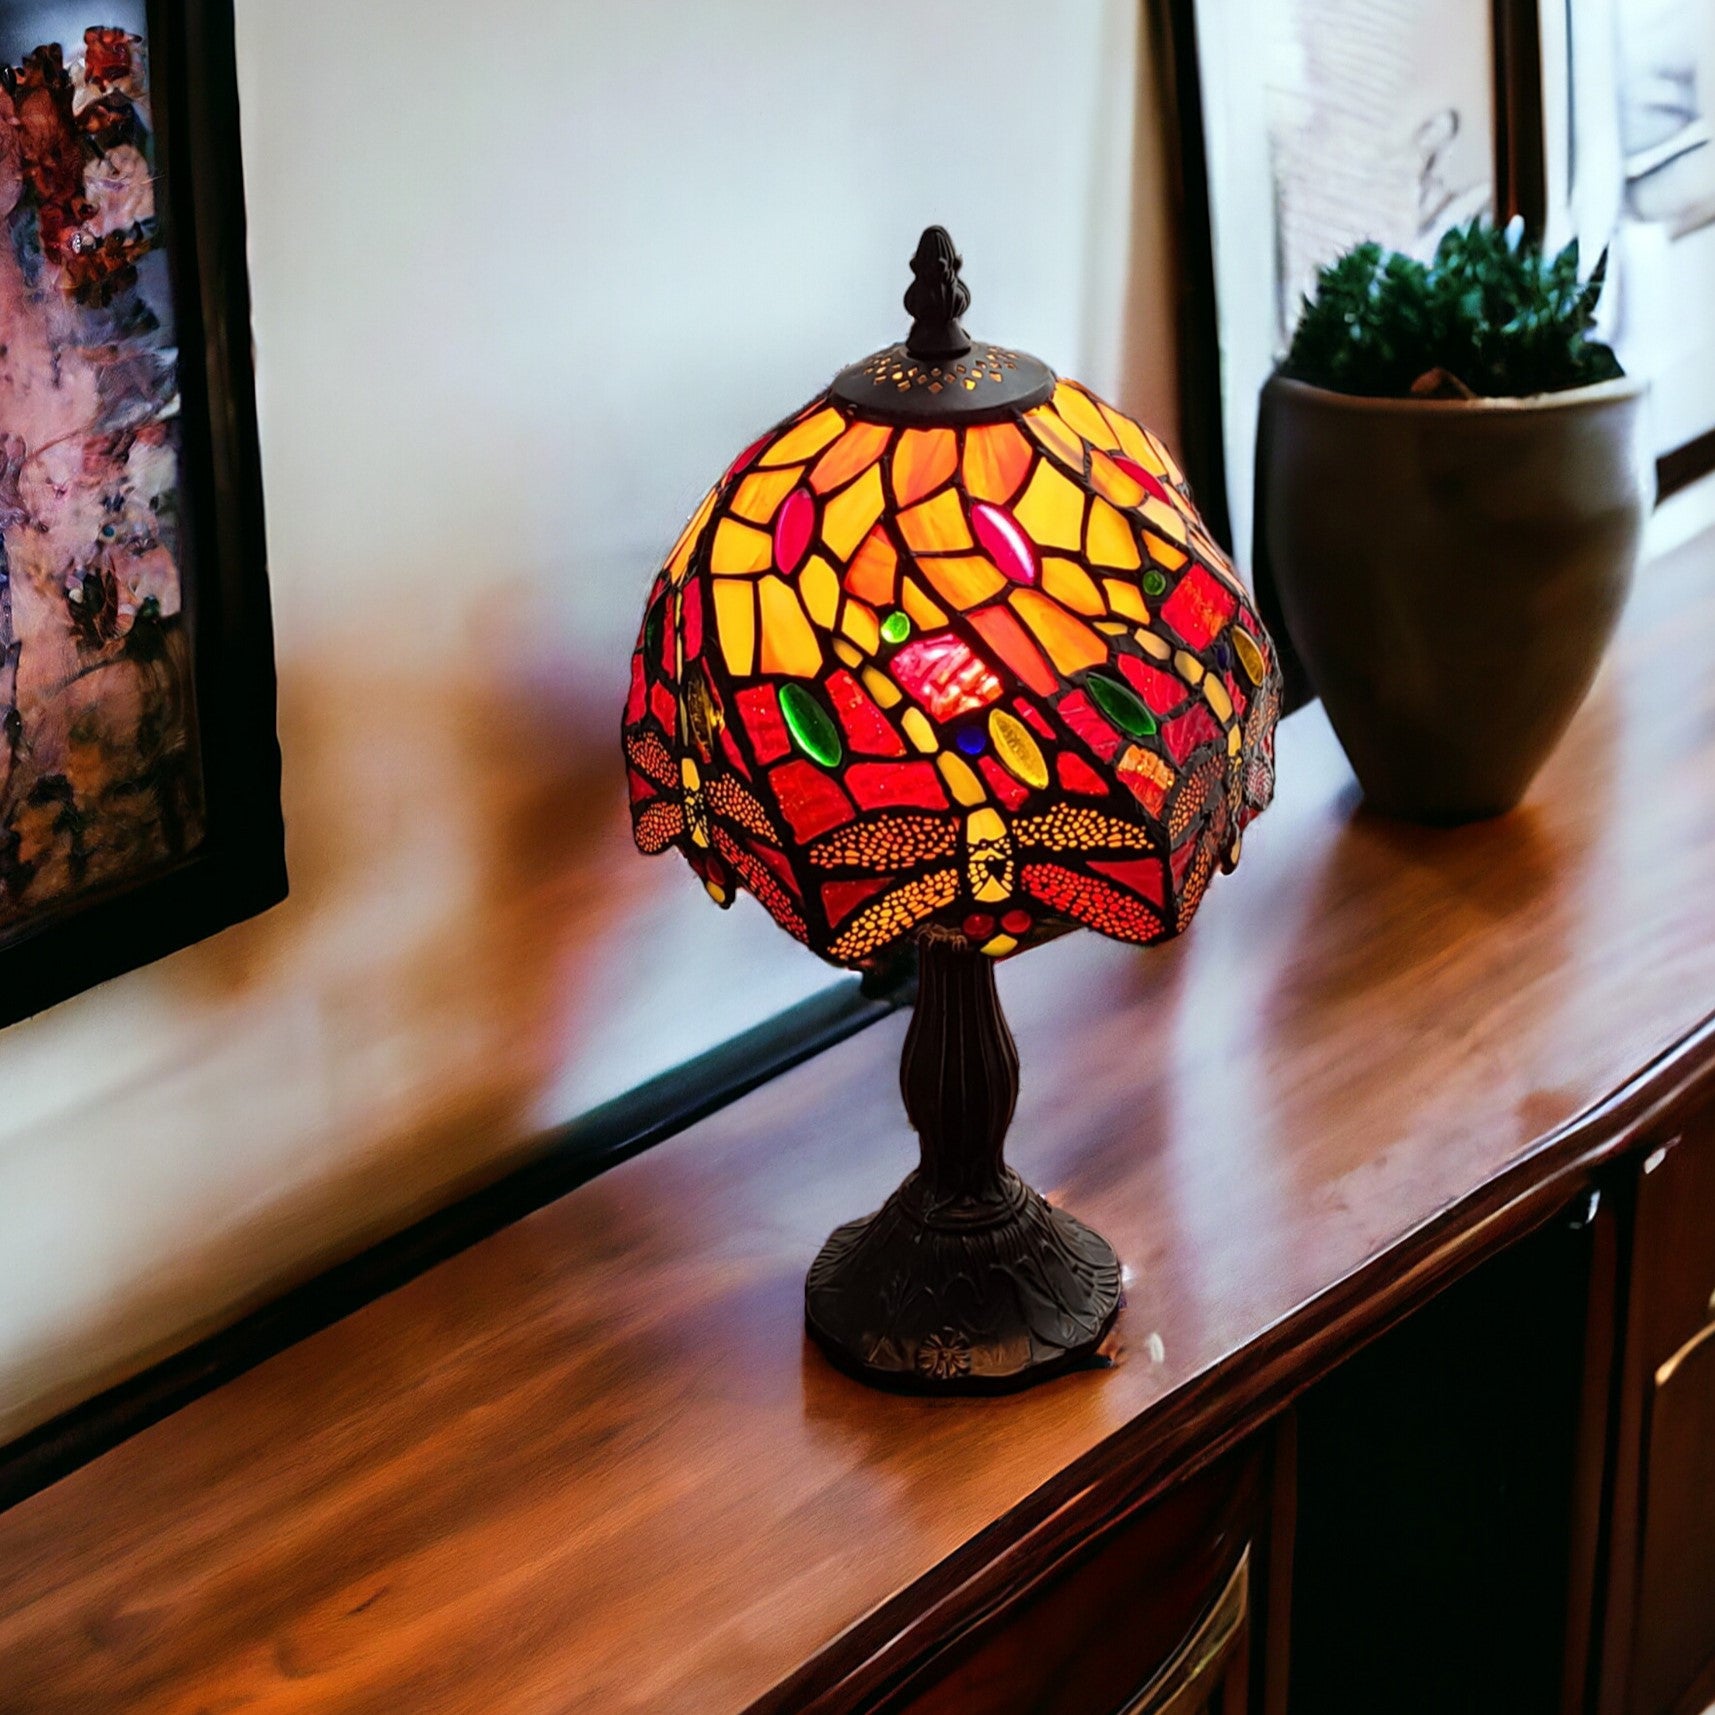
x=949, y=658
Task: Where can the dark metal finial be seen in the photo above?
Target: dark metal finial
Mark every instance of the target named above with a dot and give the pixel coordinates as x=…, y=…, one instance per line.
x=936, y=298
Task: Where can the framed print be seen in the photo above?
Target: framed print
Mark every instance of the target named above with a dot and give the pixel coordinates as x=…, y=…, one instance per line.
x=139, y=768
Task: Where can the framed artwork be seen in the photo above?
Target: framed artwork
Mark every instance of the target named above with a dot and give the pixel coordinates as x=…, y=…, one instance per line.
x=139, y=768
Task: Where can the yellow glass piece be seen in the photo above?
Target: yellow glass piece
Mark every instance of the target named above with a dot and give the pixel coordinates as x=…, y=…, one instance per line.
x=1125, y=599
x=1250, y=656
x=1084, y=416
x=996, y=458
x=788, y=643
x=925, y=615
x=988, y=856
x=858, y=448
x=870, y=576
x=1046, y=424
x=1111, y=540
x=1163, y=554
x=804, y=441
x=819, y=585
x=679, y=560
x=999, y=946
x=1112, y=627
x=689, y=778
x=1112, y=483
x=984, y=825
x=735, y=619
x=881, y=687
x=859, y=623
x=1165, y=518
x=963, y=579
x=961, y=781
x=1133, y=442
x=1159, y=647
x=936, y=525
x=761, y=493
x=919, y=731
x=1072, y=586
x=848, y=652
x=1215, y=694
x=1071, y=644
x=847, y=517
x=1015, y=745
x=1188, y=667
x=739, y=550
x=1235, y=741
x=1052, y=510
x=922, y=461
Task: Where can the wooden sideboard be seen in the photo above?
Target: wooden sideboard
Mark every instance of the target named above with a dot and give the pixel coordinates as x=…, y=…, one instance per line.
x=1409, y=1147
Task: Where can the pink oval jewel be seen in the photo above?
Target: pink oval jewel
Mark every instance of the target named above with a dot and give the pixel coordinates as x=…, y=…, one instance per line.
x=1002, y=538
x=746, y=456
x=792, y=529
x=1149, y=484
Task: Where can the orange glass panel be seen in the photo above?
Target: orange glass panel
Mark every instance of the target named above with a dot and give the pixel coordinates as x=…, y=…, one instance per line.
x=735, y=619
x=1052, y=510
x=922, y=461
x=761, y=492
x=739, y=550
x=819, y=585
x=996, y=458
x=858, y=448
x=1126, y=600
x=1163, y=554
x=925, y=615
x=1084, y=417
x=1072, y=586
x=1112, y=542
x=788, y=643
x=1133, y=442
x=1112, y=483
x=1071, y=644
x=963, y=579
x=1165, y=518
x=805, y=440
x=936, y=526
x=1011, y=642
x=859, y=623
x=870, y=576
x=1046, y=425
x=847, y=517
x=680, y=559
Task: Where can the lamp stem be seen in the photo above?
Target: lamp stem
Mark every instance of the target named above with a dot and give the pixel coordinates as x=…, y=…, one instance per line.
x=959, y=1078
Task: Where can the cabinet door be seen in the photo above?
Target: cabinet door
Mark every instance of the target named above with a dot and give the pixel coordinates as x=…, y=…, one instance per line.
x=1659, y=1639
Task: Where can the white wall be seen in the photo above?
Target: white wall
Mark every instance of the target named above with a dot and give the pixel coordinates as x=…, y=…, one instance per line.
x=526, y=274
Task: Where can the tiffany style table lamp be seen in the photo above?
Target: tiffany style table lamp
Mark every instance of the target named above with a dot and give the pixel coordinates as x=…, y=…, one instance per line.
x=949, y=657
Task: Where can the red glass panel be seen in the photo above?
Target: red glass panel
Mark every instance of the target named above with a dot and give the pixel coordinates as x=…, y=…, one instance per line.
x=638, y=786
x=1076, y=775
x=691, y=617
x=1199, y=608
x=868, y=730
x=664, y=708
x=1087, y=899
x=1002, y=784
x=945, y=675
x=762, y=721
x=841, y=898
x=809, y=800
x=792, y=530
x=637, y=698
x=1141, y=875
x=745, y=457
x=1035, y=717
x=1002, y=538
x=1163, y=692
x=669, y=631
x=776, y=861
x=1146, y=777
x=888, y=785
x=733, y=754
x=1079, y=713
x=1012, y=643
x=1190, y=731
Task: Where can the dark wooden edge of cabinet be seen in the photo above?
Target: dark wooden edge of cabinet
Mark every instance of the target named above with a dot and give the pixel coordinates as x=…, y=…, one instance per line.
x=1232, y=1400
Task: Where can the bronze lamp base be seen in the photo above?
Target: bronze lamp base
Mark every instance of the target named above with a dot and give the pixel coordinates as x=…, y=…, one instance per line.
x=966, y=1281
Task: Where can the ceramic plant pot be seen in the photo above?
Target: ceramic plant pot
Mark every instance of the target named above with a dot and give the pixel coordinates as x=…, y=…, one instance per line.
x=1450, y=572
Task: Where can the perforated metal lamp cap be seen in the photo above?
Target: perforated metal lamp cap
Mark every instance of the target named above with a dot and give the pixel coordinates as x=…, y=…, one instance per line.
x=949, y=653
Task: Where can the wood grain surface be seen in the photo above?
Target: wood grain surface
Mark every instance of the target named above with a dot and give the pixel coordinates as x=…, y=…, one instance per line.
x=591, y=1464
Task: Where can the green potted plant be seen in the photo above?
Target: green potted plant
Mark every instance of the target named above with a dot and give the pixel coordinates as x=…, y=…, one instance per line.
x=1452, y=483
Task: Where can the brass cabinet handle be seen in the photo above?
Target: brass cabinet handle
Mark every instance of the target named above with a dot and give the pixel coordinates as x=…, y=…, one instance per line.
x=1183, y=1684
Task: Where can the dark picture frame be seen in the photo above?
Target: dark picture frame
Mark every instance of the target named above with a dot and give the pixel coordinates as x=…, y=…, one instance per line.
x=238, y=869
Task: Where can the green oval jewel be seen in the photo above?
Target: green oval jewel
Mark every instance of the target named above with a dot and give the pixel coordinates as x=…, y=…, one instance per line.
x=811, y=726
x=896, y=627
x=1153, y=582
x=1121, y=705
